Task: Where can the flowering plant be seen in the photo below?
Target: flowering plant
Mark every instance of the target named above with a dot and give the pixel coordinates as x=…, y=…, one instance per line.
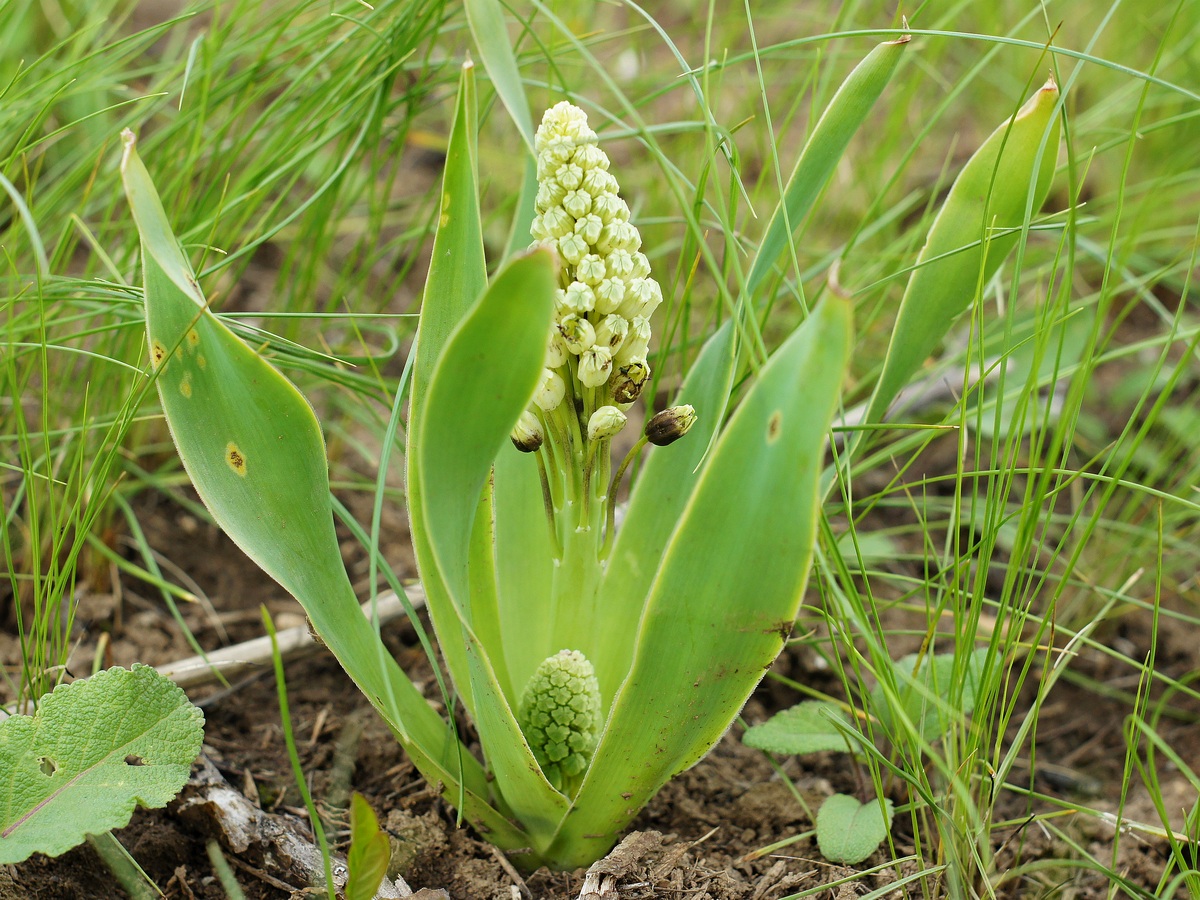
x=595, y=662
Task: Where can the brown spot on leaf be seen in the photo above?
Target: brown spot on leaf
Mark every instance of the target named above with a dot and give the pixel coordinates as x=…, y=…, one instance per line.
x=157, y=353
x=193, y=338
x=233, y=456
x=774, y=426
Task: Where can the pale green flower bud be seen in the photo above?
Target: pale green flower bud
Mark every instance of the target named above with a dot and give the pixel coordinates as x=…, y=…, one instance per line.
x=610, y=293
x=619, y=236
x=527, y=433
x=637, y=342
x=579, y=298
x=642, y=297
x=558, y=150
x=577, y=203
x=556, y=222
x=619, y=263
x=550, y=194
x=598, y=181
x=569, y=176
x=670, y=425
x=589, y=156
x=577, y=333
x=590, y=269
x=630, y=379
x=608, y=207
x=556, y=350
x=572, y=248
x=595, y=365
x=605, y=422
x=551, y=391
x=611, y=332
x=559, y=715
x=641, y=265
x=589, y=228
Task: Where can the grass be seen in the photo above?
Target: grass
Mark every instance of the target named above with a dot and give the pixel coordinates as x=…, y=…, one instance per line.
x=1045, y=511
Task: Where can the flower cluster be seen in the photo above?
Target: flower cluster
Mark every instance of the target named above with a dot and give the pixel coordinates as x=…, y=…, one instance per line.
x=598, y=344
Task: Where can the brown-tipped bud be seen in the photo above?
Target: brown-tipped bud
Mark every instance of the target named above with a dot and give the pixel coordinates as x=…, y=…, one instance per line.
x=527, y=433
x=629, y=380
x=670, y=425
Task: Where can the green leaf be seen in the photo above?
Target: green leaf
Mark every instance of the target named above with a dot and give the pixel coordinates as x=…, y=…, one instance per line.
x=254, y=451
x=981, y=221
x=655, y=505
x=809, y=727
x=847, y=110
x=848, y=831
x=933, y=694
x=370, y=851
x=484, y=379
x=727, y=590
x=93, y=750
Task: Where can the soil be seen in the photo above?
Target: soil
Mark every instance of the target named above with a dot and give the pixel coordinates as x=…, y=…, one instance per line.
x=708, y=834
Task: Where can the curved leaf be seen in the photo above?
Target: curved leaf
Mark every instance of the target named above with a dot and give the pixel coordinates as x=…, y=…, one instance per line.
x=727, y=590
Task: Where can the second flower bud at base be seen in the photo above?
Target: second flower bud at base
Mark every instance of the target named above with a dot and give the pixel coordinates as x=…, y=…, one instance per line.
x=670, y=425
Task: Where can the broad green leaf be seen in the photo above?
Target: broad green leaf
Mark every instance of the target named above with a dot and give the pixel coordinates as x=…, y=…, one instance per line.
x=727, y=590
x=933, y=693
x=809, y=727
x=484, y=379
x=848, y=831
x=658, y=498
x=370, y=851
x=456, y=279
x=980, y=222
x=485, y=18
x=93, y=751
x=847, y=111
x=254, y=451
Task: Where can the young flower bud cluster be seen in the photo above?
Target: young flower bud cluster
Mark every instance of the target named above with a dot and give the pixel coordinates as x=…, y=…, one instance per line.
x=559, y=715
x=601, y=332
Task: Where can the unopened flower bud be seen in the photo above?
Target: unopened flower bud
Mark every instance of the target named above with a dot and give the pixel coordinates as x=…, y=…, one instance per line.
x=579, y=298
x=670, y=425
x=637, y=342
x=595, y=365
x=559, y=714
x=610, y=294
x=591, y=269
x=629, y=381
x=605, y=422
x=570, y=176
x=572, y=248
x=589, y=228
x=611, y=331
x=556, y=350
x=577, y=333
x=551, y=391
x=527, y=433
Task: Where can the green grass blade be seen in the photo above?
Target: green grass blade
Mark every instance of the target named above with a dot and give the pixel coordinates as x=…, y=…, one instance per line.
x=254, y=451
x=486, y=21
x=1002, y=184
x=657, y=501
x=728, y=589
x=843, y=116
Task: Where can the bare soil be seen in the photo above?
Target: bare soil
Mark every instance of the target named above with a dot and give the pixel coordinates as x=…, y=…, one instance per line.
x=704, y=832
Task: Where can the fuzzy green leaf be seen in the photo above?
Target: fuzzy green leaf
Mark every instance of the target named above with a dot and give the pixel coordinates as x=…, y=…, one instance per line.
x=933, y=694
x=93, y=750
x=848, y=831
x=809, y=727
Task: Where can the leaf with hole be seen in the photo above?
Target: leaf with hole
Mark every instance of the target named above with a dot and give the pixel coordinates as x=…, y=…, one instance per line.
x=93, y=751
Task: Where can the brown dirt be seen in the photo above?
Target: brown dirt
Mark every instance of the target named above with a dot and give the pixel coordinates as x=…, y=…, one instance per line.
x=710, y=822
